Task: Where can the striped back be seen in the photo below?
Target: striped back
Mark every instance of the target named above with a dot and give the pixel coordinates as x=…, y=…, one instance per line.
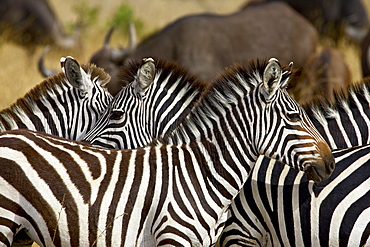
x=66, y=105
x=285, y=209
x=141, y=112
x=175, y=191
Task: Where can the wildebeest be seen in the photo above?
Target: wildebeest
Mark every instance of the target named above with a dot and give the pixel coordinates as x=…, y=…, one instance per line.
x=325, y=72
x=207, y=43
x=32, y=22
x=332, y=17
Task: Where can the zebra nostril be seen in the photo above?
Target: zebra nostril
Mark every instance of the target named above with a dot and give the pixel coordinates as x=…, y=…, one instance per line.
x=331, y=166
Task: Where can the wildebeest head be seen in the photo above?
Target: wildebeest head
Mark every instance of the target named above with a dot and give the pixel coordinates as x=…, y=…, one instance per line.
x=111, y=59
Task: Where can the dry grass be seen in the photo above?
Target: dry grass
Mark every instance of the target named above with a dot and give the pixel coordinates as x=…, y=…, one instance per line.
x=19, y=73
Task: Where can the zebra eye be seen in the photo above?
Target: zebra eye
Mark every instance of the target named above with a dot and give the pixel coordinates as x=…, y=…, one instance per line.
x=294, y=117
x=116, y=114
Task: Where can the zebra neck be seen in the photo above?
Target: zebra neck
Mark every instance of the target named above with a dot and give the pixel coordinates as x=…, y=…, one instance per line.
x=40, y=109
x=171, y=100
x=207, y=177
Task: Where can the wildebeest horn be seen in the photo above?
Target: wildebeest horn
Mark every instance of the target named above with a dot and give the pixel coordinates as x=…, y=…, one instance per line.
x=41, y=65
x=107, y=37
x=133, y=38
x=120, y=55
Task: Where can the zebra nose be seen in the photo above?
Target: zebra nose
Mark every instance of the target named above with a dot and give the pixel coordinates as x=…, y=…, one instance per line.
x=322, y=169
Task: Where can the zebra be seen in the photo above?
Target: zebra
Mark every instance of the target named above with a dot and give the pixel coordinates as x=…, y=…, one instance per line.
x=175, y=191
x=252, y=222
x=67, y=104
x=278, y=206
x=339, y=123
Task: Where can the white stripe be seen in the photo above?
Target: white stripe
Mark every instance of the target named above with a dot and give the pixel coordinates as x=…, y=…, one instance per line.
x=337, y=216
x=106, y=201
x=296, y=210
x=12, y=194
x=352, y=120
x=280, y=209
x=118, y=217
x=135, y=217
x=361, y=223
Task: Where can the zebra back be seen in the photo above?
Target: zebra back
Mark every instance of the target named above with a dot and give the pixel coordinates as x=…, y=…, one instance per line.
x=67, y=104
x=175, y=191
x=285, y=209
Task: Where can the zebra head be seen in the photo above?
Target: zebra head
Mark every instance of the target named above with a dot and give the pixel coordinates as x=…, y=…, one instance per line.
x=89, y=96
x=291, y=137
x=156, y=95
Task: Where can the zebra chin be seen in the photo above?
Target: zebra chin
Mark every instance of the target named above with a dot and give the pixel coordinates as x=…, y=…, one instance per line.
x=323, y=168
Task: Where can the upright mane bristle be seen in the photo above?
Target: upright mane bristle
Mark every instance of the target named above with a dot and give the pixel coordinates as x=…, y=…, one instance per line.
x=128, y=73
x=236, y=81
x=247, y=71
x=340, y=96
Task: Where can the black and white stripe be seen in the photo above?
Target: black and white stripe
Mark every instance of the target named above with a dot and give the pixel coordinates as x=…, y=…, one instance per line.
x=278, y=206
x=302, y=214
x=66, y=105
x=173, y=192
x=141, y=112
x=343, y=124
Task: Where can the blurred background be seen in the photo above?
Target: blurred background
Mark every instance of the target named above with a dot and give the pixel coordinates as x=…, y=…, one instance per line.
x=93, y=18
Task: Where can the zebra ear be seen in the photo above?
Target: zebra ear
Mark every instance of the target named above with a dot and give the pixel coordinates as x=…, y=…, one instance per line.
x=76, y=76
x=145, y=76
x=272, y=78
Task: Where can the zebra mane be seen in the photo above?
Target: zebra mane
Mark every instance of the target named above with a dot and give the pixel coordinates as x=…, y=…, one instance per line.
x=165, y=68
x=357, y=93
x=49, y=86
x=234, y=83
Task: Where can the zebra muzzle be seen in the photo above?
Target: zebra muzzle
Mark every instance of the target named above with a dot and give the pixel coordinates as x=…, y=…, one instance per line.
x=322, y=169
